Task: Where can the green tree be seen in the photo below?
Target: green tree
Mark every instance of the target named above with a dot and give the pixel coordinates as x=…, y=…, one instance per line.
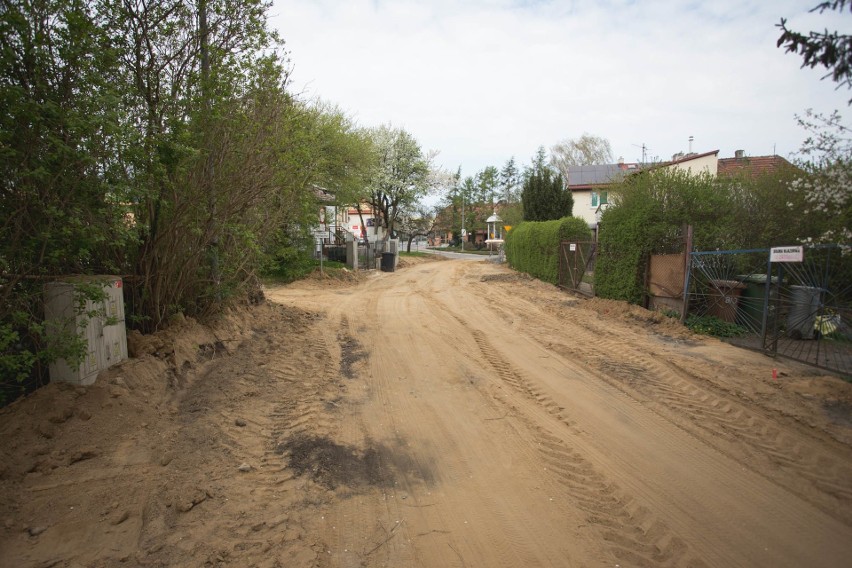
x=61, y=188
x=544, y=195
x=151, y=139
x=509, y=181
x=827, y=152
x=538, y=163
x=469, y=207
x=825, y=184
x=487, y=182
x=401, y=176
x=418, y=221
x=582, y=151
x=831, y=50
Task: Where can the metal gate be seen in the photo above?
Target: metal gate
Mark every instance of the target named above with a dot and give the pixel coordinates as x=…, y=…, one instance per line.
x=577, y=266
x=801, y=310
x=811, y=308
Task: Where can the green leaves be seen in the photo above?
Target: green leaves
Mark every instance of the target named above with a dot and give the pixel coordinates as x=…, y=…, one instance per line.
x=831, y=50
x=401, y=176
x=545, y=196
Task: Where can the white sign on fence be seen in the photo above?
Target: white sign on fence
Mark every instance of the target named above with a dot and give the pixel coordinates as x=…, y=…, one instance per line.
x=787, y=254
x=572, y=247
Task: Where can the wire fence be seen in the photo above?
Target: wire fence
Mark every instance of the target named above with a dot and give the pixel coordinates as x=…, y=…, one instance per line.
x=801, y=310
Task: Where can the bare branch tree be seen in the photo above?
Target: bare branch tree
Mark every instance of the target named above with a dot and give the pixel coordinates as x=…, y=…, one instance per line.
x=582, y=151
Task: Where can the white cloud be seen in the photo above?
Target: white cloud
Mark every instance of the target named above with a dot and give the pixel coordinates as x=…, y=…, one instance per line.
x=482, y=81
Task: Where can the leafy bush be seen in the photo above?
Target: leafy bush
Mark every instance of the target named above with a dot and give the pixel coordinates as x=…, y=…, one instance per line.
x=649, y=210
x=533, y=247
x=709, y=325
x=148, y=164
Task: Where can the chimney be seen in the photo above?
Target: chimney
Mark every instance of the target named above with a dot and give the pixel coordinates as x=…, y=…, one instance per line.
x=620, y=160
x=691, y=138
x=739, y=154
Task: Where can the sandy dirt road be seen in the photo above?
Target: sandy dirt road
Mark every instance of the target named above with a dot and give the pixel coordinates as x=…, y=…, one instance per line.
x=448, y=414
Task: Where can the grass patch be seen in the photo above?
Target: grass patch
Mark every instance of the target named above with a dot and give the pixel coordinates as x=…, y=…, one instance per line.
x=414, y=254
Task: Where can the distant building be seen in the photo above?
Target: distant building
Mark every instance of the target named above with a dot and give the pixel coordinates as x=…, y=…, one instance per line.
x=591, y=185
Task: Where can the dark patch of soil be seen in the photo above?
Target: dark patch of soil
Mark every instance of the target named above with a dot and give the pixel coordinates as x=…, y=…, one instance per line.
x=331, y=464
x=351, y=351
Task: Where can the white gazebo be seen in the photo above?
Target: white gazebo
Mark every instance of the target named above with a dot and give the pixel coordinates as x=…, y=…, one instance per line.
x=495, y=231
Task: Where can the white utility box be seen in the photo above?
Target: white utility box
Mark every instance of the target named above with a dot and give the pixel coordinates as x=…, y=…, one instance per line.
x=100, y=324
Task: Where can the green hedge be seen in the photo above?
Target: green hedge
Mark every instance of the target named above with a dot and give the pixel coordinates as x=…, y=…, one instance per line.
x=533, y=247
x=622, y=244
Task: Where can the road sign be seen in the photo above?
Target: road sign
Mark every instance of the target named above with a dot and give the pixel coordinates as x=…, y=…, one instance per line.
x=320, y=231
x=787, y=254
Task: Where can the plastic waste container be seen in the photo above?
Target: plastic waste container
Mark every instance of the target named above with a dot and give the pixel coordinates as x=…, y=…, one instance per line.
x=388, y=261
x=723, y=298
x=804, y=307
x=752, y=300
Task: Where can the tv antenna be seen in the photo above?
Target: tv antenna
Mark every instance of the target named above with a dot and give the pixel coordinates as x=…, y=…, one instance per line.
x=645, y=150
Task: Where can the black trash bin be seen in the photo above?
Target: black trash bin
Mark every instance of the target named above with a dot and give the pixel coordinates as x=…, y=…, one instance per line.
x=388, y=261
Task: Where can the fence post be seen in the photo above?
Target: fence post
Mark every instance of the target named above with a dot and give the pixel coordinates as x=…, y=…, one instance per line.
x=767, y=289
x=687, y=272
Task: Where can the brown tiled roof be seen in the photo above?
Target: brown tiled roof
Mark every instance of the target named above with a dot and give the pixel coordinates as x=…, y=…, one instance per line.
x=752, y=166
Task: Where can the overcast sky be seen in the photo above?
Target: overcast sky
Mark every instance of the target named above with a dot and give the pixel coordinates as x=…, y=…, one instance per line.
x=484, y=80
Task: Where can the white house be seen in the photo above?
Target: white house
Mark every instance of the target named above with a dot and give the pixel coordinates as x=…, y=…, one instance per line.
x=590, y=185
x=363, y=224
x=694, y=163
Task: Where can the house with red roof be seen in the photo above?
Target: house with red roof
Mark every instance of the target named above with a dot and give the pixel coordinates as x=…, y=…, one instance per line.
x=591, y=185
x=752, y=166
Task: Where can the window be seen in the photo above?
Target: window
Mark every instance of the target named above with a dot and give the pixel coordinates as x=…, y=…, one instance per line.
x=598, y=199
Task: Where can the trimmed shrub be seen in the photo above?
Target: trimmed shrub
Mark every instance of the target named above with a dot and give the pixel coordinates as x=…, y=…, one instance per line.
x=574, y=229
x=533, y=246
x=622, y=242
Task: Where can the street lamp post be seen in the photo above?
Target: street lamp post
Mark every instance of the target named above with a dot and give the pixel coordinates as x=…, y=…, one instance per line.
x=463, y=235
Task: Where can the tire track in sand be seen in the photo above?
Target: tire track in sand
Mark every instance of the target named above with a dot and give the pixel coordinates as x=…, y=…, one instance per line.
x=632, y=532
x=817, y=477
x=789, y=457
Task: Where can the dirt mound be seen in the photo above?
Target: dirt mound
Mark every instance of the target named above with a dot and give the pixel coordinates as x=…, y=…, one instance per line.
x=66, y=449
x=409, y=261
x=337, y=277
x=506, y=277
x=631, y=313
